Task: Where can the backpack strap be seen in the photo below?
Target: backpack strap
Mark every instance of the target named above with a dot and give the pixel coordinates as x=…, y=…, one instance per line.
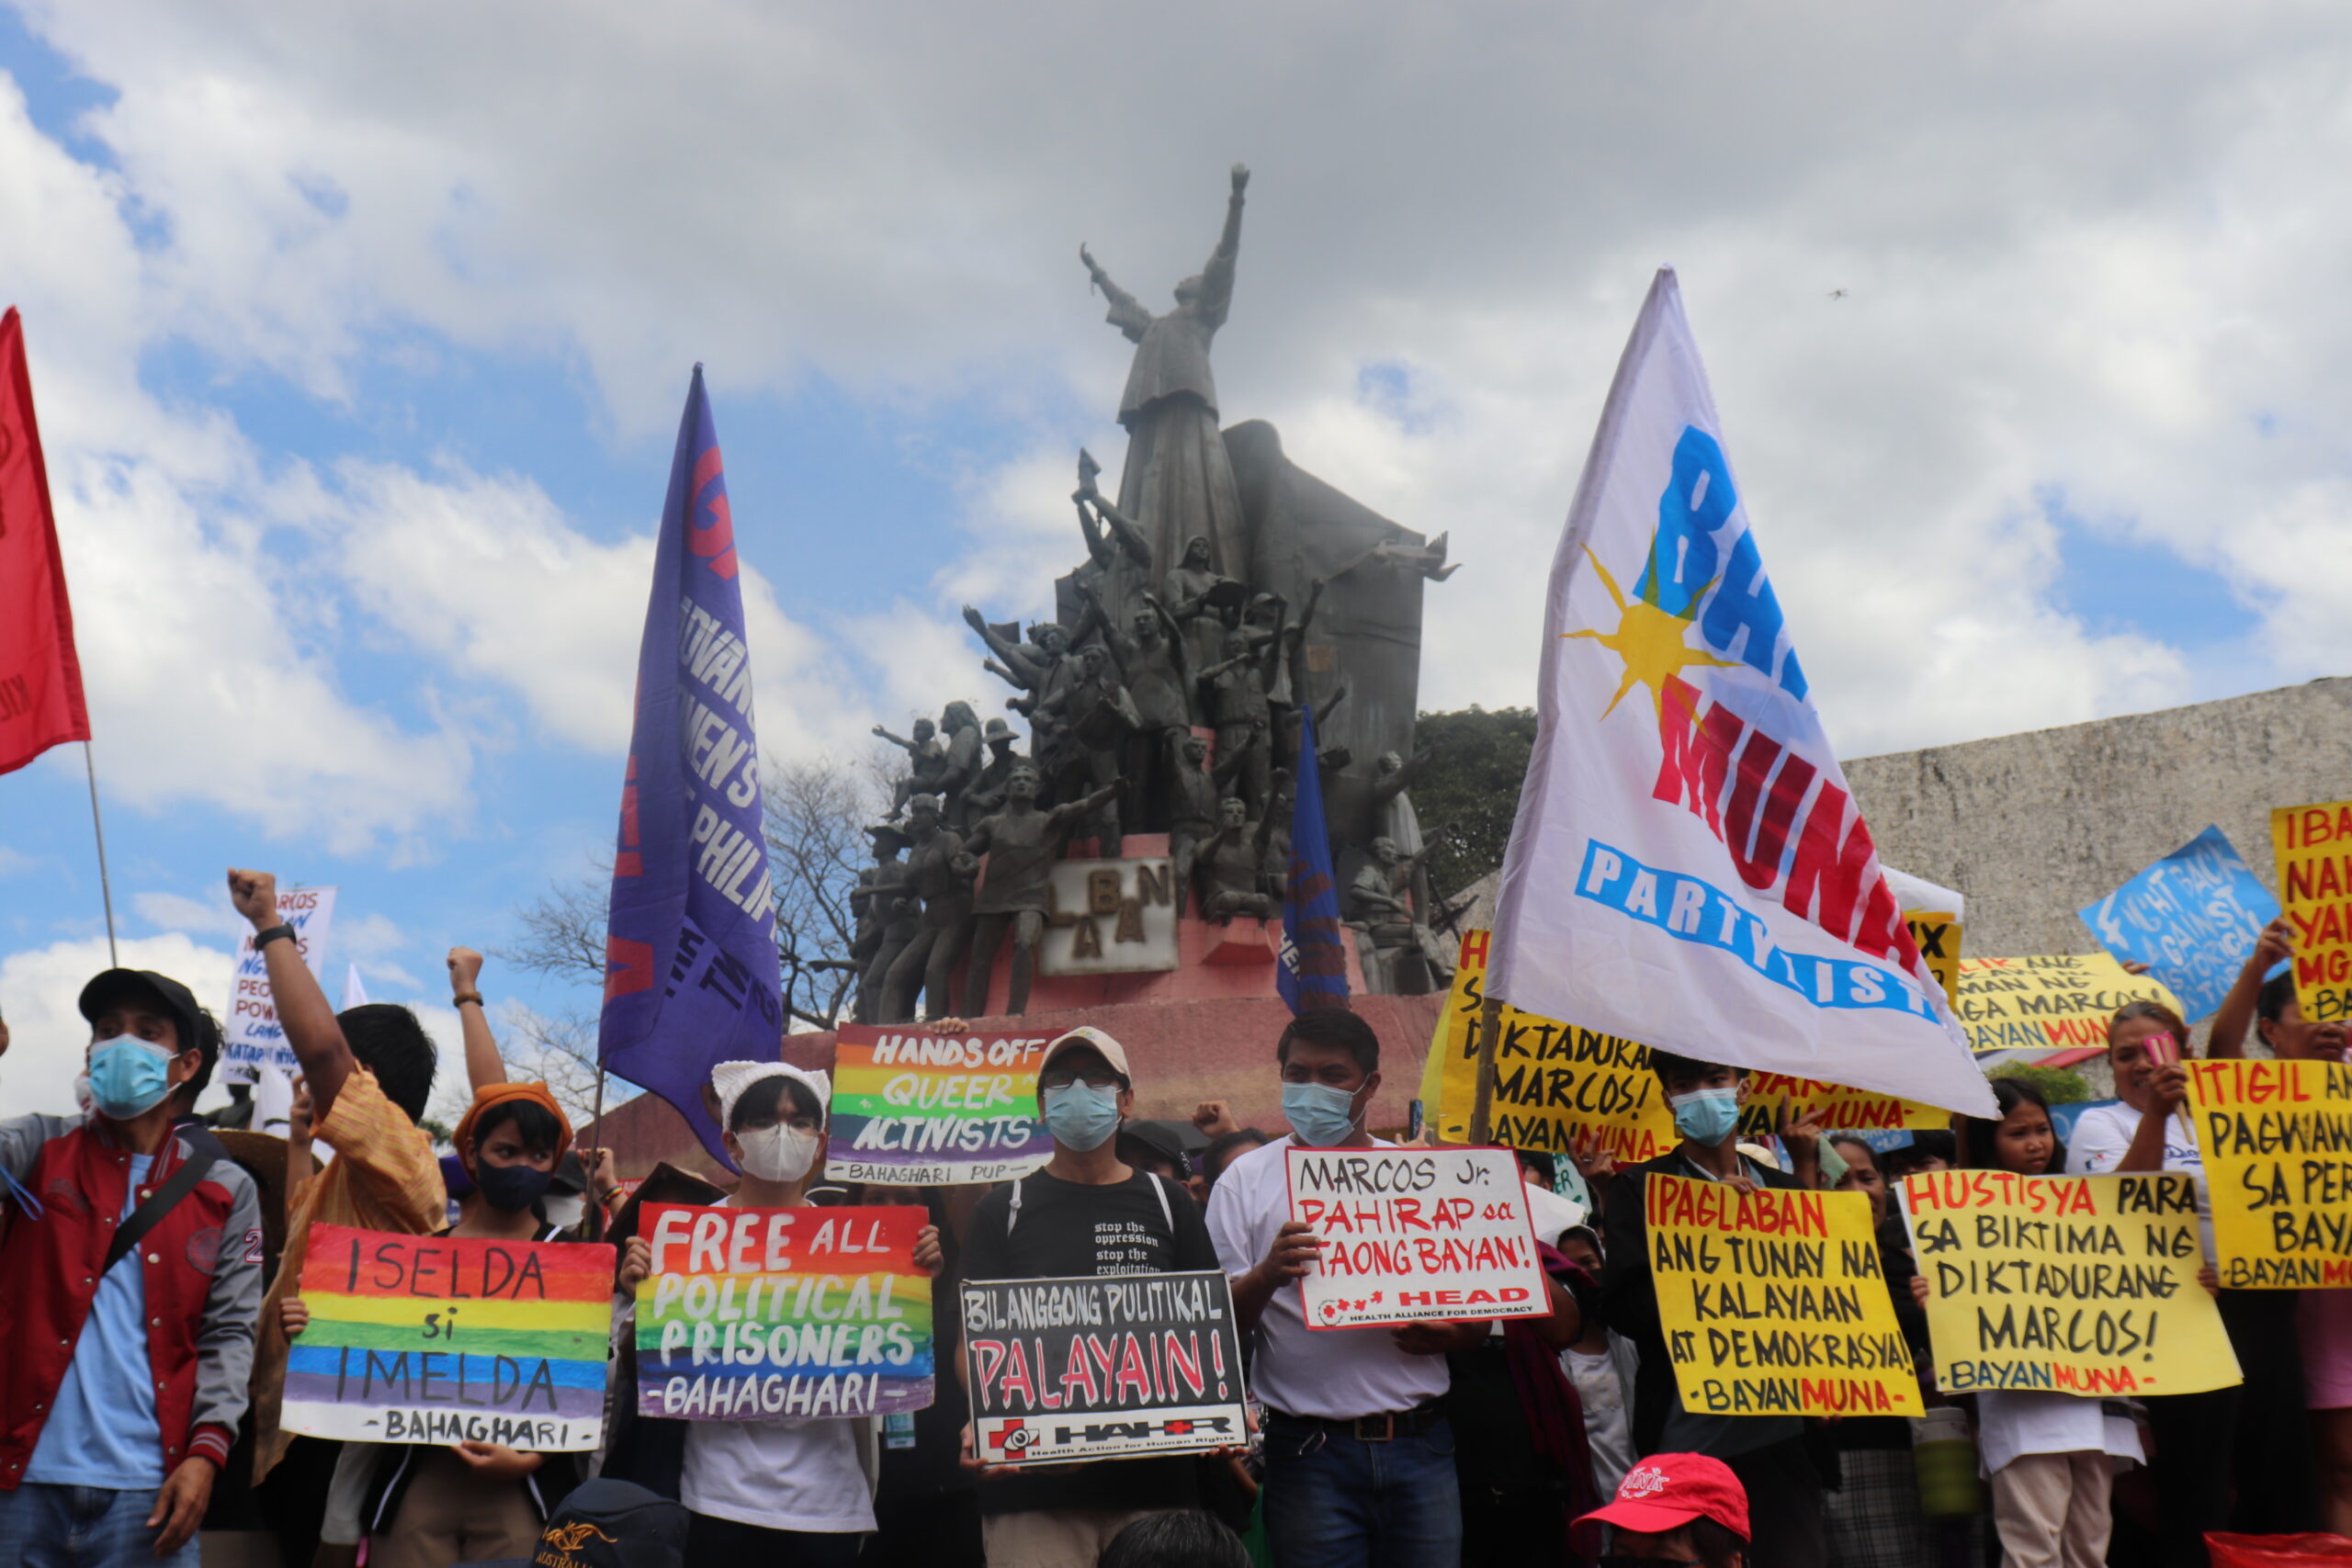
x=1160, y=1191
x=1012, y=1215
x=162, y=1201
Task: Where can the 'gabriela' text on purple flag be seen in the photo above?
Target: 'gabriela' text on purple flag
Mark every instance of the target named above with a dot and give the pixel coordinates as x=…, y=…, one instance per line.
x=690, y=958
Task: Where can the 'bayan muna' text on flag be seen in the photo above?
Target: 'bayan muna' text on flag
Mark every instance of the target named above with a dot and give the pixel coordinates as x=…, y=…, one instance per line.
x=690, y=957
x=1688, y=868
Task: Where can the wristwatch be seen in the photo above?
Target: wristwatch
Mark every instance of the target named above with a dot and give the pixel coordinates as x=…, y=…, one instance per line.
x=264, y=938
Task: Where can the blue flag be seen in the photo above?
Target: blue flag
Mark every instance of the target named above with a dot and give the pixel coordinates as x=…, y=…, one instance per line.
x=1314, y=968
x=2192, y=918
x=690, y=957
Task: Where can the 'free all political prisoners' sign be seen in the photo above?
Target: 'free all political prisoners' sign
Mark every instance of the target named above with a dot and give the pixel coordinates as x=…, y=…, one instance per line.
x=1095, y=1367
x=2071, y=1284
x=755, y=1314
x=915, y=1109
x=2277, y=1142
x=1773, y=1302
x=442, y=1340
x=1412, y=1235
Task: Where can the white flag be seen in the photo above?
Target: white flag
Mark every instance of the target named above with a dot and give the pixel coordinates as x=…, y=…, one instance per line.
x=1688, y=868
x=354, y=995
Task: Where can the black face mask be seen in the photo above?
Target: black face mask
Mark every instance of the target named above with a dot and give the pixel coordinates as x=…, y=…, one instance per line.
x=510, y=1187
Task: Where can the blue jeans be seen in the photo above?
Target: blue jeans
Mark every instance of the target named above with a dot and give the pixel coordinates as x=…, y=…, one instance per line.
x=82, y=1527
x=1335, y=1501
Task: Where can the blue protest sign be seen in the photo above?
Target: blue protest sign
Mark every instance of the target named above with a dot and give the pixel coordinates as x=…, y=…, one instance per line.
x=2191, y=918
x=690, y=958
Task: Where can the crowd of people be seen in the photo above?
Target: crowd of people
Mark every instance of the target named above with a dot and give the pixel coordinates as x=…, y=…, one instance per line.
x=151, y=1299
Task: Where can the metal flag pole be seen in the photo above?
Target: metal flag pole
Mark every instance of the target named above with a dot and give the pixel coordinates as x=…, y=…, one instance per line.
x=97, y=827
x=597, y=1217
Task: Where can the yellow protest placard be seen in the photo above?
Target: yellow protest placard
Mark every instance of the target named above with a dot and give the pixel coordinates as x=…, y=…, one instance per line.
x=2314, y=848
x=2068, y=1284
x=1773, y=1302
x=1937, y=933
x=2277, y=1141
x=2050, y=1002
x=1553, y=1080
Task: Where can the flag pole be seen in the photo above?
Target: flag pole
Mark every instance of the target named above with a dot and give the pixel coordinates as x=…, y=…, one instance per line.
x=596, y=1200
x=98, y=828
x=1490, y=1012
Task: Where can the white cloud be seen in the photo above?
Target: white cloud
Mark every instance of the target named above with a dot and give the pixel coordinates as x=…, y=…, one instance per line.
x=40, y=987
x=178, y=912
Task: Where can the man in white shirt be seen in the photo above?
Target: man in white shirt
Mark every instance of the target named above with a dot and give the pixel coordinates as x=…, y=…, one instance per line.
x=1357, y=1445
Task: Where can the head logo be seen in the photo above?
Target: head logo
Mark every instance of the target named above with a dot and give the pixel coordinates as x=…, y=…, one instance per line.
x=571, y=1537
x=1643, y=1480
x=1012, y=1437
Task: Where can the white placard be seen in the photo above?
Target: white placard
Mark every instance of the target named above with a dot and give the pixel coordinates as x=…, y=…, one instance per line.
x=1414, y=1236
x=251, y=1035
x=1110, y=917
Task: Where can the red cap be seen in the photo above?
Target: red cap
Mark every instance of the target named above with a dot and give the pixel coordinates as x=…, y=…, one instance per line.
x=1666, y=1492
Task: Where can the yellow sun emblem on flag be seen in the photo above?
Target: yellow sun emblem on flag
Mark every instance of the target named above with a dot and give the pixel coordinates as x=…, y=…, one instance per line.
x=1652, y=641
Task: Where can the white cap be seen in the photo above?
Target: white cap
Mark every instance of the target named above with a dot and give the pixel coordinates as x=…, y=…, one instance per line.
x=1113, y=1052
x=731, y=1079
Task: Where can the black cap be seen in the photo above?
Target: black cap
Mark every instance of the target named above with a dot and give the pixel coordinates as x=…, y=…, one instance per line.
x=609, y=1524
x=159, y=991
x=1174, y=1140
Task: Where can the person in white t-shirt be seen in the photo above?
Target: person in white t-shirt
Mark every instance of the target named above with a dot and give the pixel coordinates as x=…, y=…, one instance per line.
x=1359, y=1456
x=780, y=1491
x=2233, y=1458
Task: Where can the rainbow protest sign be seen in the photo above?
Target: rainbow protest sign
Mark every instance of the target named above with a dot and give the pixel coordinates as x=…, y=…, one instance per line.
x=753, y=1313
x=915, y=1109
x=436, y=1339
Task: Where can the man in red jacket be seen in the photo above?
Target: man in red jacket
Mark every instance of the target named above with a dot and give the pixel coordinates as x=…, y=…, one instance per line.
x=130, y=1279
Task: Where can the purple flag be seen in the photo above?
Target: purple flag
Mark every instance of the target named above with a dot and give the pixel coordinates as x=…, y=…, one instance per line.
x=690, y=958
x=1314, y=968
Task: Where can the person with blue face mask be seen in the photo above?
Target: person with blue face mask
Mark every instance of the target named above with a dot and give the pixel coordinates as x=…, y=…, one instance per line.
x=1766, y=1452
x=128, y=1359
x=1088, y=1213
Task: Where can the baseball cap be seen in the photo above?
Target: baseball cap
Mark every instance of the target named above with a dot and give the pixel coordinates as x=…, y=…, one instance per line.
x=607, y=1523
x=730, y=1080
x=150, y=990
x=1113, y=1052
x=1666, y=1492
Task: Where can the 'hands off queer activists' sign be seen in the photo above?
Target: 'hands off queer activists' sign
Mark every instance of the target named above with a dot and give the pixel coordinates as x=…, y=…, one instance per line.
x=2024, y=1008
x=442, y=1340
x=2277, y=1141
x=1092, y=1368
x=916, y=1109
x=1412, y=1235
x=1773, y=1302
x=750, y=1314
x=2191, y=918
x=2314, y=848
x=2069, y=1284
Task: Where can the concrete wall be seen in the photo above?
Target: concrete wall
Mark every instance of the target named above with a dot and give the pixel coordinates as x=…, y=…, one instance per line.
x=2031, y=828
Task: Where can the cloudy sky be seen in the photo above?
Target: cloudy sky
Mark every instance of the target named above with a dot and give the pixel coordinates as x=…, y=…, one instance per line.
x=360, y=333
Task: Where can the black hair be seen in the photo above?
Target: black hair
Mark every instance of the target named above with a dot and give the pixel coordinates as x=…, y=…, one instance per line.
x=2157, y=1010
x=208, y=1045
x=1179, y=1537
x=1145, y=1155
x=1545, y=1167
x=1666, y=1064
x=1332, y=1026
x=1227, y=1148
x=766, y=1098
x=534, y=1125
x=1855, y=1141
x=389, y=1042
x=1930, y=1144
x=1714, y=1543
x=2277, y=992
x=1976, y=1133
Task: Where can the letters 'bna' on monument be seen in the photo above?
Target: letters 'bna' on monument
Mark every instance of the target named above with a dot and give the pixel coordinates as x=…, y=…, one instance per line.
x=1223, y=593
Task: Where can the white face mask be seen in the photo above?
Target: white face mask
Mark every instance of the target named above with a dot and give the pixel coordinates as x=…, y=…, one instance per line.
x=780, y=1153
x=566, y=1212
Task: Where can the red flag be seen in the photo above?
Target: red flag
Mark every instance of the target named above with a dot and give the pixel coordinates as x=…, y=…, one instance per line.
x=41, y=679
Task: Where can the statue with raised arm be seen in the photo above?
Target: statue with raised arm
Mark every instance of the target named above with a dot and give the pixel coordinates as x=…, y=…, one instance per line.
x=1178, y=480
x=1229, y=859
x=1377, y=904
x=1022, y=843
x=1118, y=558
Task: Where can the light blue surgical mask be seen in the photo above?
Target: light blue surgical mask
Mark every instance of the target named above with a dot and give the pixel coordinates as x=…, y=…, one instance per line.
x=129, y=1075
x=1319, y=1115
x=1079, y=1115
x=1706, y=1116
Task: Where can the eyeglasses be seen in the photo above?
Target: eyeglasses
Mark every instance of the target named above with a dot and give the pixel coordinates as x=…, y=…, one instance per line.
x=1062, y=1078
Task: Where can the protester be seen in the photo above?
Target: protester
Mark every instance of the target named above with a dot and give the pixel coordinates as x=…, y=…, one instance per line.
x=1862, y=1174
x=1223, y=1150
x=2050, y=1455
x=781, y=1491
x=926, y=1503
x=1683, y=1509
x=370, y=1073
x=1930, y=1150
x=130, y=1279
x=2236, y=1458
x=1358, y=1453
x=1175, y=1538
x=1086, y=1213
x=1601, y=1365
x=612, y=1524
x=1766, y=1452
